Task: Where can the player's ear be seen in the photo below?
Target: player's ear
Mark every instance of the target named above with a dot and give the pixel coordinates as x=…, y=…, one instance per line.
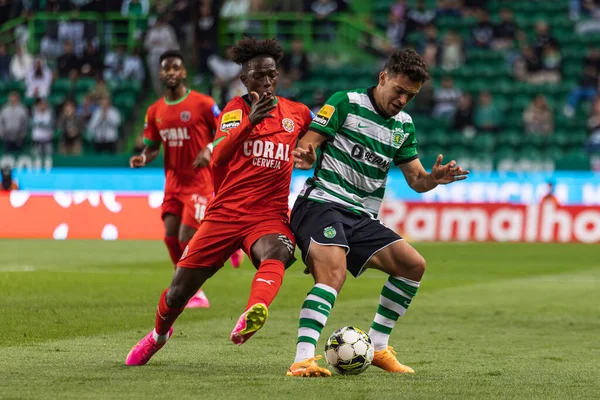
x=184, y=73
x=382, y=77
x=244, y=79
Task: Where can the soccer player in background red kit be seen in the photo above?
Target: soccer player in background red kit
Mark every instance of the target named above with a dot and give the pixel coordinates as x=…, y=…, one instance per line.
x=252, y=166
x=184, y=121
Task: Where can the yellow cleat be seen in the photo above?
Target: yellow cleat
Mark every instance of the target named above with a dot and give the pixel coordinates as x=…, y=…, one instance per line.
x=387, y=361
x=308, y=368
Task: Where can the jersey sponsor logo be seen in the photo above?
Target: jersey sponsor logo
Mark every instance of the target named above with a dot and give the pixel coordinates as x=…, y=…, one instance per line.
x=216, y=110
x=267, y=154
x=398, y=137
x=362, y=126
x=329, y=232
x=185, y=116
x=324, y=115
x=231, y=119
x=174, y=137
x=288, y=124
x=361, y=153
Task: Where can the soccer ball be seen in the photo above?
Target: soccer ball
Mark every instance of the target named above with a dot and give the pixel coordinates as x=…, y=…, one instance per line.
x=349, y=351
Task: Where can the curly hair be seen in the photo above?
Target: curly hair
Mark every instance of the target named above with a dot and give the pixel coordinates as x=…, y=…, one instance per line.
x=248, y=48
x=409, y=63
x=171, y=54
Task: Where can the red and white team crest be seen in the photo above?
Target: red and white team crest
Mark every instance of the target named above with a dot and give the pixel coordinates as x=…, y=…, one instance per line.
x=185, y=116
x=288, y=124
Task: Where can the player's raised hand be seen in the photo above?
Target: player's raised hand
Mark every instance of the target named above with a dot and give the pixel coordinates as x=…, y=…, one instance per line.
x=261, y=107
x=304, y=158
x=203, y=158
x=137, y=161
x=447, y=173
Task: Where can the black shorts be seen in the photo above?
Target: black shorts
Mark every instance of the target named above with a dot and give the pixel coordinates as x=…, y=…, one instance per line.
x=332, y=225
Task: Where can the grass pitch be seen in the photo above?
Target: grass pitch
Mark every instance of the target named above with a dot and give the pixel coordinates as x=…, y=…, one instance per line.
x=514, y=321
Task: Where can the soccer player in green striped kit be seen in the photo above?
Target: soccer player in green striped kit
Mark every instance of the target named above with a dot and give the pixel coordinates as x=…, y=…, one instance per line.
x=362, y=133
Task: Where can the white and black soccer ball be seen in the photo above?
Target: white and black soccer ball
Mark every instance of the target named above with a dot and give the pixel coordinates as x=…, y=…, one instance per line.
x=349, y=351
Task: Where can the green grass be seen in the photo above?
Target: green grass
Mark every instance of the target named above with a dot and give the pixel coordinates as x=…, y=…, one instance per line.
x=490, y=321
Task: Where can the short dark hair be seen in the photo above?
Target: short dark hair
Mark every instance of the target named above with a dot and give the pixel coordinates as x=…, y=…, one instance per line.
x=248, y=48
x=171, y=54
x=407, y=62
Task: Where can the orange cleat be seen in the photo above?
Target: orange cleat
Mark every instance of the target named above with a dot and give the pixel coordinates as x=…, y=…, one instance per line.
x=387, y=361
x=308, y=368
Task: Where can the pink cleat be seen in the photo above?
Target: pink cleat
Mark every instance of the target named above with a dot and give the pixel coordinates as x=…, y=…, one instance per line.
x=237, y=258
x=249, y=323
x=198, y=301
x=143, y=351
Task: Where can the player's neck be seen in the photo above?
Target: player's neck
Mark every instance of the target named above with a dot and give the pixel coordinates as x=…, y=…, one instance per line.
x=176, y=94
x=377, y=104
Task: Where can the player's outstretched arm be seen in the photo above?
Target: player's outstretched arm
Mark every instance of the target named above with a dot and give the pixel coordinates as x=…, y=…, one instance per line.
x=305, y=154
x=146, y=157
x=225, y=146
x=422, y=181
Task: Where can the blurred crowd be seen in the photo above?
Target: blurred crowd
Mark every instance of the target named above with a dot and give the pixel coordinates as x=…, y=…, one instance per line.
x=535, y=59
x=73, y=50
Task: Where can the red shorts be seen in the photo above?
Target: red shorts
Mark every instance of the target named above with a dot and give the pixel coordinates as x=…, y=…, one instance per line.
x=215, y=241
x=190, y=207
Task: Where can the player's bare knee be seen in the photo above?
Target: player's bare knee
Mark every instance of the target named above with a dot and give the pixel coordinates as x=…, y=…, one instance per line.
x=282, y=254
x=330, y=276
x=413, y=268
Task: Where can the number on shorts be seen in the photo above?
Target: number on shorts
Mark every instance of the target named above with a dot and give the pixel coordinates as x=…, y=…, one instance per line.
x=200, y=210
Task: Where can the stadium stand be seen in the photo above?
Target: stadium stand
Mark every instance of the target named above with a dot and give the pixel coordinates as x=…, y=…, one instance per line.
x=498, y=55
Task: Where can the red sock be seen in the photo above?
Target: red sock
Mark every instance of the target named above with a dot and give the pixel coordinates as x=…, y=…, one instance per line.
x=174, y=248
x=266, y=283
x=165, y=315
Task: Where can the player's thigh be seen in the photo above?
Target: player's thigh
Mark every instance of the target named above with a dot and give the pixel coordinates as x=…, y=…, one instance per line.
x=270, y=240
x=399, y=259
x=366, y=238
x=171, y=211
x=212, y=244
x=172, y=224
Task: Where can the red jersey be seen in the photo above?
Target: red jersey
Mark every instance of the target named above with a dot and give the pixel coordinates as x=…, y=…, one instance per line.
x=253, y=178
x=184, y=127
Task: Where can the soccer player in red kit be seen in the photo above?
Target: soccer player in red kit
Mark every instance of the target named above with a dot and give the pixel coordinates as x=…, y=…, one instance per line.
x=252, y=168
x=184, y=122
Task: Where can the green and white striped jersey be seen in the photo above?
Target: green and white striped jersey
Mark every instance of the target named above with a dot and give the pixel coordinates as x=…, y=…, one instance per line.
x=353, y=163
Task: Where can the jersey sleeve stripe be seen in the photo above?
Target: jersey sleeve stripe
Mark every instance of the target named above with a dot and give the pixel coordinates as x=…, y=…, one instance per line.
x=149, y=142
x=319, y=131
x=216, y=142
x=406, y=160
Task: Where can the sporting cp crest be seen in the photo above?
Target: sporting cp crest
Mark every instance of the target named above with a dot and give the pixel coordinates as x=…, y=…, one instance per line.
x=329, y=232
x=398, y=136
x=288, y=124
x=185, y=116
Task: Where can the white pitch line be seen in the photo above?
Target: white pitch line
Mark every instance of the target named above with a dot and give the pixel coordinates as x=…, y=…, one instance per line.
x=17, y=268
